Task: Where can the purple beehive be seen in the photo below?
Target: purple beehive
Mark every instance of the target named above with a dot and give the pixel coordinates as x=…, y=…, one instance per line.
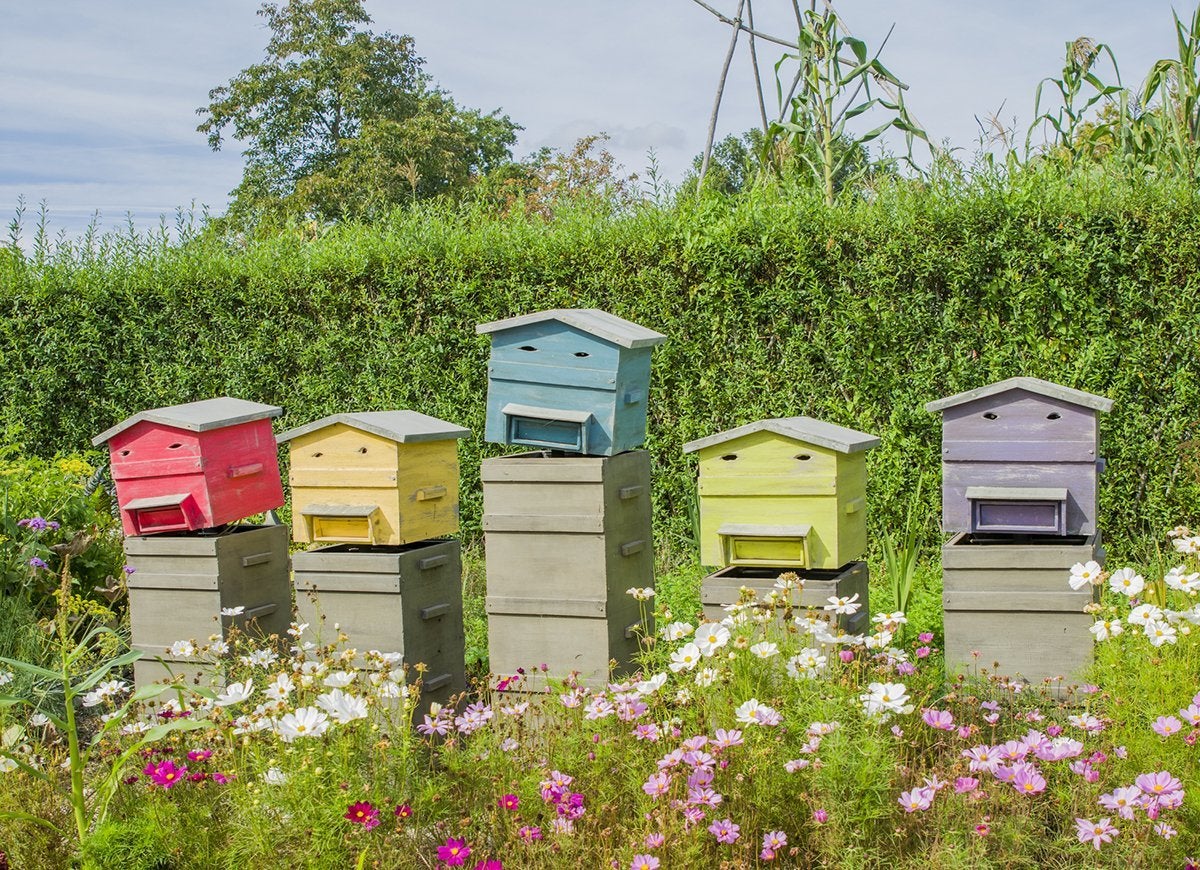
x=1020, y=457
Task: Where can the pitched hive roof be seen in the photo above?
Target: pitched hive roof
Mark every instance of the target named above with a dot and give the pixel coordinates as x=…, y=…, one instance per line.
x=591, y=320
x=1032, y=385
x=805, y=429
x=197, y=416
x=404, y=427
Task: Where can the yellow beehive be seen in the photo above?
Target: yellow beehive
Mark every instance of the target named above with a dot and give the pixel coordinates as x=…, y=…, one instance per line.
x=376, y=477
x=788, y=492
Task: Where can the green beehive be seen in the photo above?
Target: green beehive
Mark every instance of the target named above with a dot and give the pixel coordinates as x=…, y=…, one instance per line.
x=788, y=492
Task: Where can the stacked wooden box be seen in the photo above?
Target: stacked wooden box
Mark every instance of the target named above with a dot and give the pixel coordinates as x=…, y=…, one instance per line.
x=1020, y=465
x=379, y=491
x=567, y=526
x=183, y=474
x=784, y=495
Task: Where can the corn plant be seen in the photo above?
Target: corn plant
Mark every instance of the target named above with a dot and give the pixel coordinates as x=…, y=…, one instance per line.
x=1080, y=89
x=831, y=88
x=1175, y=82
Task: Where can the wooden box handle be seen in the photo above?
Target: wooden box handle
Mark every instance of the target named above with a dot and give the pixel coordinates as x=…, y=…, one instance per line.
x=434, y=611
x=261, y=610
x=256, y=559
x=628, y=492
x=632, y=547
x=245, y=470
x=432, y=684
x=429, y=493
x=432, y=562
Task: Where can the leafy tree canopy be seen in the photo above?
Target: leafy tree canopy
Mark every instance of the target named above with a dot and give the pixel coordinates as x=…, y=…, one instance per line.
x=341, y=122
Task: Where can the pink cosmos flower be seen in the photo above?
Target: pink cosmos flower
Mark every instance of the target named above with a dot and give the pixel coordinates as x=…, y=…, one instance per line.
x=199, y=755
x=362, y=813
x=1027, y=780
x=922, y=652
x=726, y=739
x=644, y=862
x=846, y=655
x=1158, y=784
x=454, y=853
x=508, y=802
x=917, y=799
x=402, y=811
x=222, y=778
x=1191, y=714
x=774, y=841
x=942, y=720
x=925, y=637
x=530, y=833
x=1165, y=726
x=965, y=784
x=655, y=841
x=489, y=864
x=1095, y=832
x=983, y=758
x=657, y=784
x=725, y=831
x=1165, y=831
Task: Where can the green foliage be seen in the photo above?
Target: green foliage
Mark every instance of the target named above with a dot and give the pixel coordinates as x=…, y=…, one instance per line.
x=774, y=305
x=341, y=122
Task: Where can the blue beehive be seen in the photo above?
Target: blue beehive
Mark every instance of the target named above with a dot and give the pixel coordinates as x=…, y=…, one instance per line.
x=574, y=380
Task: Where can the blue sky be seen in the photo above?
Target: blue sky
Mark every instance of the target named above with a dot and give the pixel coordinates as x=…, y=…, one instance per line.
x=98, y=97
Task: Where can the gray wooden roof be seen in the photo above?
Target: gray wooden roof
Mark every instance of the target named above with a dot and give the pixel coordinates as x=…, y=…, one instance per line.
x=592, y=320
x=1032, y=385
x=404, y=427
x=803, y=429
x=197, y=416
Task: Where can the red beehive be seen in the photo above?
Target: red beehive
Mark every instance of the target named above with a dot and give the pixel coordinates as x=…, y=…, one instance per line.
x=194, y=466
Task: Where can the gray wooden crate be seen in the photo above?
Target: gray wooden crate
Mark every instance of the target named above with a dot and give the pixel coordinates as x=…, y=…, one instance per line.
x=405, y=599
x=1009, y=600
x=724, y=588
x=566, y=536
x=182, y=582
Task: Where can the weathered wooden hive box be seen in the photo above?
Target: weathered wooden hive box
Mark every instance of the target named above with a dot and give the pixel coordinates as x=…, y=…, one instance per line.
x=1007, y=599
x=723, y=588
x=1020, y=456
x=788, y=492
x=194, y=466
x=405, y=599
x=574, y=380
x=374, y=477
x=181, y=583
x=566, y=536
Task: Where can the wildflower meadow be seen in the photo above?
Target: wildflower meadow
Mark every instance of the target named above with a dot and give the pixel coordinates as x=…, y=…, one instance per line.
x=767, y=738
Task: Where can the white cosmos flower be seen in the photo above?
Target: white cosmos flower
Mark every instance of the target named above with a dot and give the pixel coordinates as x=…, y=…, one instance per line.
x=6, y=677
x=652, y=685
x=676, y=630
x=706, y=677
x=1160, y=632
x=808, y=663
x=339, y=679
x=233, y=611
x=305, y=722
x=183, y=649
x=261, y=658
x=1126, y=581
x=342, y=707
x=641, y=594
x=843, y=605
x=1106, y=628
x=235, y=693
x=274, y=776
x=765, y=650
x=1176, y=579
x=218, y=647
x=879, y=640
x=280, y=688
x=7, y=765
x=884, y=698
x=685, y=658
x=1187, y=544
x=1143, y=614
x=1083, y=574
x=710, y=637
x=753, y=712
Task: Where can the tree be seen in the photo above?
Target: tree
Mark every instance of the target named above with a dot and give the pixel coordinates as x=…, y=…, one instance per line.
x=341, y=122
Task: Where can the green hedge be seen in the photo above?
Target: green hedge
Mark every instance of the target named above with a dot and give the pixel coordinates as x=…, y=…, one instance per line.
x=773, y=304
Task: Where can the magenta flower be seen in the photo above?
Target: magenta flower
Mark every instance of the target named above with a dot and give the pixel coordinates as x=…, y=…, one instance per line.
x=165, y=773
x=820, y=816
x=199, y=755
x=1095, y=833
x=725, y=831
x=454, y=853
x=925, y=636
x=942, y=720
x=35, y=562
x=508, y=802
x=362, y=813
x=773, y=841
x=655, y=841
x=402, y=811
x=644, y=862
x=222, y=778
x=846, y=655
x=489, y=864
x=530, y=833
x=1165, y=726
